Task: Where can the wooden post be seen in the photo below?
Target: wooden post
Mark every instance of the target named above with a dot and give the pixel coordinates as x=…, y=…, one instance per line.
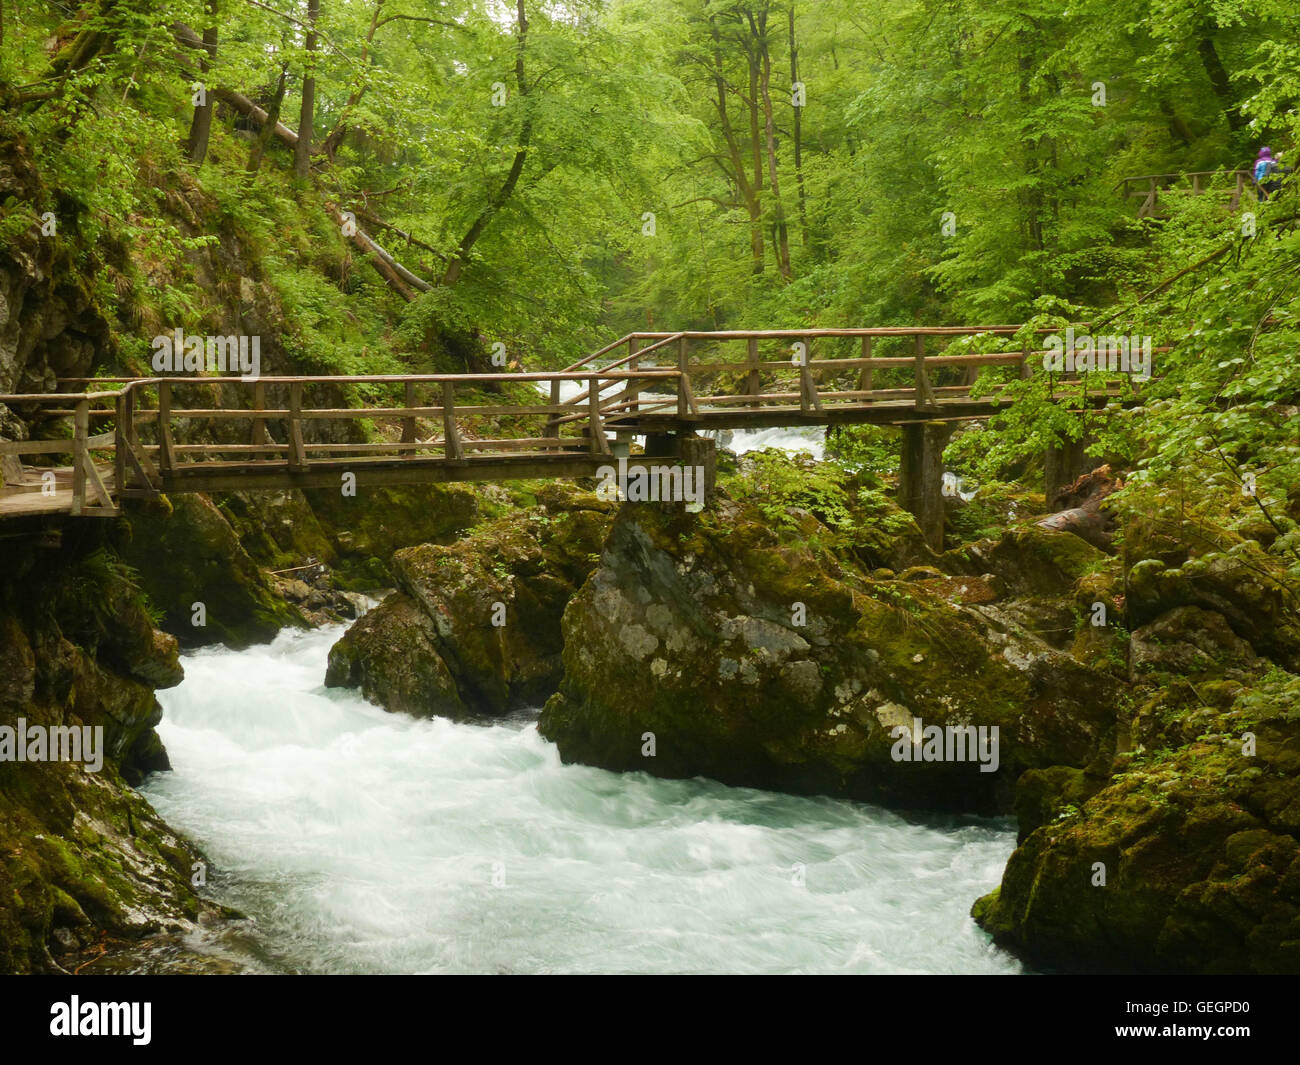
x=259, y=434
x=683, y=382
x=920, y=477
x=632, y=390
x=80, y=427
x=166, y=456
x=1196, y=184
x=865, y=374
x=924, y=396
x=123, y=404
x=753, y=384
x=552, y=420
x=408, y=423
x=451, y=438
x=297, y=453
x=1025, y=371
x=809, y=401
x=597, y=445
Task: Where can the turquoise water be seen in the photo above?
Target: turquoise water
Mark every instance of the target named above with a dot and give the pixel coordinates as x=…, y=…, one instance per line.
x=362, y=841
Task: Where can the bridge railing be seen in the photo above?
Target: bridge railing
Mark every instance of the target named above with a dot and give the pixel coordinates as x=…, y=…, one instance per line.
x=89, y=485
x=1148, y=186
x=801, y=379
x=167, y=426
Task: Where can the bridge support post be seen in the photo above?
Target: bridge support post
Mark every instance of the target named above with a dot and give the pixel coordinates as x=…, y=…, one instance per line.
x=701, y=452
x=1063, y=464
x=660, y=445
x=920, y=478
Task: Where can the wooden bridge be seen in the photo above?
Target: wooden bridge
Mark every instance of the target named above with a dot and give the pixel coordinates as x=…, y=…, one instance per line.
x=207, y=434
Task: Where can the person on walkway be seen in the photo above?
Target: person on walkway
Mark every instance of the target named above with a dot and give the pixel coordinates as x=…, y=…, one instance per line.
x=1265, y=169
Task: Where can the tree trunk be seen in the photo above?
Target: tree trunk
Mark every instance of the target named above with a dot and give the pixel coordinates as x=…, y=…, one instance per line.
x=1178, y=129
x=268, y=130
x=503, y=194
x=748, y=192
x=1218, y=76
x=201, y=126
x=798, y=137
x=335, y=137
x=302, y=150
x=769, y=129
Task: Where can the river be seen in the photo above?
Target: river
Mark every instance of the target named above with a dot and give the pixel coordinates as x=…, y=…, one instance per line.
x=362, y=841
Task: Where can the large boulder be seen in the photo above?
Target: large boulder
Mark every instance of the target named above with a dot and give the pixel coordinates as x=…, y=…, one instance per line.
x=474, y=627
x=82, y=855
x=727, y=645
x=188, y=554
x=1187, y=860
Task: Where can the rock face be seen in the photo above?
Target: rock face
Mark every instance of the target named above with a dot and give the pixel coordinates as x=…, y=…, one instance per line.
x=474, y=628
x=754, y=655
x=82, y=855
x=187, y=553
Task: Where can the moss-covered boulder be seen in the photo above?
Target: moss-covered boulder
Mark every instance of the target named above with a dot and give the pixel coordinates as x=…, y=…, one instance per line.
x=1186, y=861
x=730, y=645
x=474, y=627
x=392, y=655
x=188, y=555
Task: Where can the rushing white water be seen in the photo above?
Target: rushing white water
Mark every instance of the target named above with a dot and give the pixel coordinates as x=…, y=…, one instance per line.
x=363, y=841
x=810, y=439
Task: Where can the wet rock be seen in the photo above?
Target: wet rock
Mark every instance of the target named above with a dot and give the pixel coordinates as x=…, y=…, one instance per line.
x=1186, y=861
x=478, y=621
x=760, y=658
x=187, y=553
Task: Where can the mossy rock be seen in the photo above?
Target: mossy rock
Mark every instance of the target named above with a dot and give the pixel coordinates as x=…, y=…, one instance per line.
x=475, y=628
x=187, y=553
x=379, y=520
x=756, y=655
x=1186, y=861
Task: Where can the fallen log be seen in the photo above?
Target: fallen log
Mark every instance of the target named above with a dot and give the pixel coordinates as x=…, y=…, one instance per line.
x=1080, y=510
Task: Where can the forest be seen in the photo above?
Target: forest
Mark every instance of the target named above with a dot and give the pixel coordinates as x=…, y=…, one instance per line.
x=1111, y=582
